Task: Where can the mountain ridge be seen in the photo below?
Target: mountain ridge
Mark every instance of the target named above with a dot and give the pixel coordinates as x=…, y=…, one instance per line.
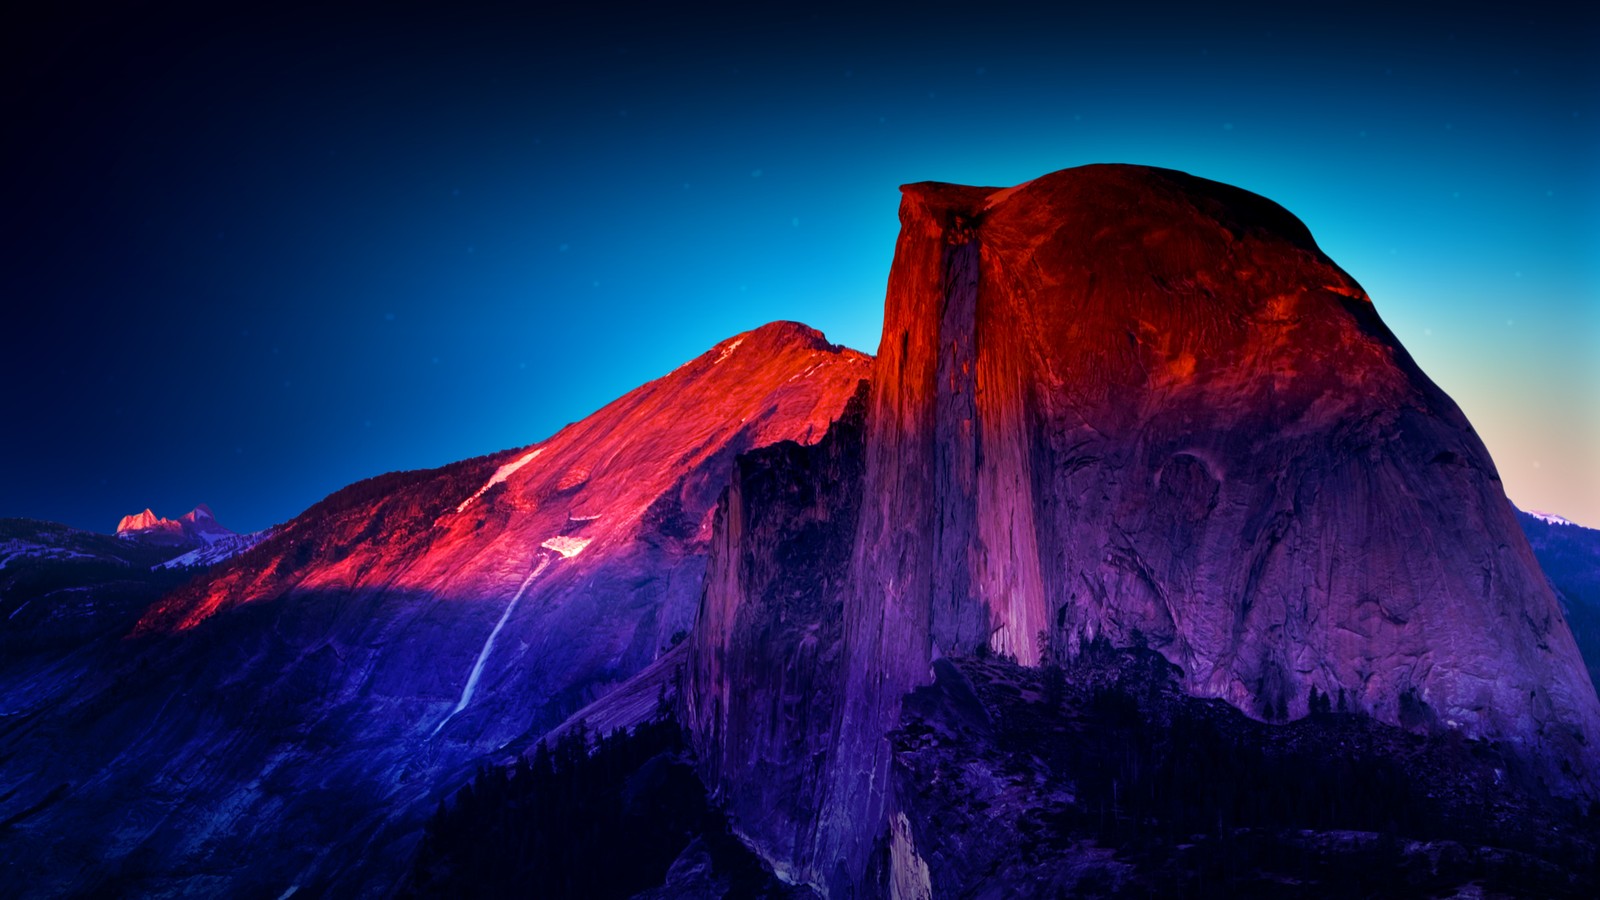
x=195, y=529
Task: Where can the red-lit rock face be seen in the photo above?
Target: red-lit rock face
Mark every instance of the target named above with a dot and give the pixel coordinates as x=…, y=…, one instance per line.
x=1155, y=406
x=300, y=708
x=139, y=522
x=149, y=526
x=560, y=568
x=1127, y=402
x=650, y=463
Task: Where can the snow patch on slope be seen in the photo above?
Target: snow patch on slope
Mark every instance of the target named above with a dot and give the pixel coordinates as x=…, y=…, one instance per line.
x=808, y=371
x=728, y=351
x=217, y=549
x=19, y=549
x=567, y=545
x=500, y=474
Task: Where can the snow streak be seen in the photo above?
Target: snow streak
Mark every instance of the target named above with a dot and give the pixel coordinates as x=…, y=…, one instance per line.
x=488, y=645
x=500, y=474
x=728, y=351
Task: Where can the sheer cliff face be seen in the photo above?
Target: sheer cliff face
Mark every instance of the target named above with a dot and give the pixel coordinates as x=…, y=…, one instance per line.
x=1149, y=403
x=1127, y=402
x=765, y=667
x=301, y=707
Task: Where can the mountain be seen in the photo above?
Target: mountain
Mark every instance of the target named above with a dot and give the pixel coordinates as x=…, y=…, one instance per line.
x=146, y=521
x=288, y=719
x=220, y=547
x=202, y=525
x=1115, y=404
x=153, y=529
x=1569, y=554
x=62, y=588
x=194, y=529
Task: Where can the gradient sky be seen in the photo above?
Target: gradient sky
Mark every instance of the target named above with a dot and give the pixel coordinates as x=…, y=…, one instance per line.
x=250, y=257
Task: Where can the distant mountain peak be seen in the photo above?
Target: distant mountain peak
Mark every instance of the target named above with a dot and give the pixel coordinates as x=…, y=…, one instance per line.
x=145, y=521
x=198, y=513
x=197, y=527
x=1551, y=518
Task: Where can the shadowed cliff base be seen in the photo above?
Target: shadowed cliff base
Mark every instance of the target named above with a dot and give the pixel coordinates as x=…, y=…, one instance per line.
x=1099, y=777
x=1102, y=777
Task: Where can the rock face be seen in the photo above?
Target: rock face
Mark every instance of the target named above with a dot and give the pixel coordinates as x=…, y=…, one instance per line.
x=1128, y=403
x=765, y=676
x=290, y=718
x=149, y=527
x=141, y=522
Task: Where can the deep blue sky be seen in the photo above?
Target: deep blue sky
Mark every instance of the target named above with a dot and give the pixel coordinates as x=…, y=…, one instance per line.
x=251, y=257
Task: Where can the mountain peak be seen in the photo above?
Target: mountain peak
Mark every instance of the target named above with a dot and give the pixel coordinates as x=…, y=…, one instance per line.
x=783, y=332
x=201, y=512
x=143, y=521
x=767, y=341
x=763, y=358
x=1551, y=518
x=197, y=527
x=1170, y=354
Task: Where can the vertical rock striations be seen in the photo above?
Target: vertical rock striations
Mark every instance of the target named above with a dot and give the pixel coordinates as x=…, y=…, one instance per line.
x=1125, y=402
x=764, y=677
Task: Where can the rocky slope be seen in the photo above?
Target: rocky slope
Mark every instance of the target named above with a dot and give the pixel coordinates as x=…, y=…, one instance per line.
x=1104, y=778
x=1095, y=777
x=1126, y=403
x=62, y=588
x=222, y=547
x=290, y=718
x=64, y=591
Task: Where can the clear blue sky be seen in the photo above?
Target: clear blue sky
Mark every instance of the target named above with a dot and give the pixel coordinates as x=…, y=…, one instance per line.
x=250, y=257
